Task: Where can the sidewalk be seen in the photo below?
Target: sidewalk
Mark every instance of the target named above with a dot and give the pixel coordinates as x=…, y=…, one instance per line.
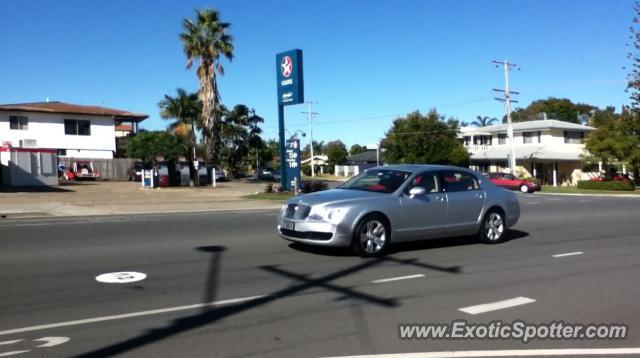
x=115, y=198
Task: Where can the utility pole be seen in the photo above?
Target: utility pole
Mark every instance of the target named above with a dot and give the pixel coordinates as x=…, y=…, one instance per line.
x=507, y=107
x=311, y=115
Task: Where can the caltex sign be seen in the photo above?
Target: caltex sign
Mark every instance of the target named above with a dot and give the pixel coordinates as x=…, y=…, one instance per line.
x=290, y=79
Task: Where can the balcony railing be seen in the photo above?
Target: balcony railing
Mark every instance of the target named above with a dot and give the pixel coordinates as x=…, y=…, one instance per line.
x=475, y=148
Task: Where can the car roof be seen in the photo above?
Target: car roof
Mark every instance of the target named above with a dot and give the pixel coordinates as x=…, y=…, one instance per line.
x=414, y=168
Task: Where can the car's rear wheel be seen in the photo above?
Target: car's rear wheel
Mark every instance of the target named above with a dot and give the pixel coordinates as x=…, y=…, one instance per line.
x=524, y=188
x=371, y=237
x=493, y=227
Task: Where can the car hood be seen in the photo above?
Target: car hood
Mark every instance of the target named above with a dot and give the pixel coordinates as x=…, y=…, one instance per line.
x=334, y=196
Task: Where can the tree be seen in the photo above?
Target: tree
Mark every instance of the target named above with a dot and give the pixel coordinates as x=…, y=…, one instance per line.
x=149, y=145
x=481, y=121
x=185, y=109
x=556, y=108
x=205, y=40
x=318, y=148
x=356, y=149
x=631, y=123
x=422, y=139
x=238, y=135
x=336, y=152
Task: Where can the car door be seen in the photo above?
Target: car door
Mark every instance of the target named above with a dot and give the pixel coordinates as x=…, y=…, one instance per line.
x=422, y=215
x=465, y=200
x=511, y=181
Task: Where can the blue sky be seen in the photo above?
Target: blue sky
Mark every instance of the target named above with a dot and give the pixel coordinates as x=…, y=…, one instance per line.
x=366, y=61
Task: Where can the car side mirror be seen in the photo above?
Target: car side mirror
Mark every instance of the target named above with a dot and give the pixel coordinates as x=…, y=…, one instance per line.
x=417, y=191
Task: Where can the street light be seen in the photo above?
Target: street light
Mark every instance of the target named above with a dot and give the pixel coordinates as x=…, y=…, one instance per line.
x=295, y=134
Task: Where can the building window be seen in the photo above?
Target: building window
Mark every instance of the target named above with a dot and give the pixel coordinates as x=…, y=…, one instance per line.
x=573, y=137
x=77, y=127
x=502, y=138
x=531, y=137
x=18, y=123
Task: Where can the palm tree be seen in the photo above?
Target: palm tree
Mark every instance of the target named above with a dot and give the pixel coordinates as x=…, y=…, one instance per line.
x=185, y=109
x=481, y=121
x=205, y=40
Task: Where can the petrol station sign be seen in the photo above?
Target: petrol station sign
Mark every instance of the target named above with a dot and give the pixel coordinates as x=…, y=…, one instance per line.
x=290, y=77
x=292, y=160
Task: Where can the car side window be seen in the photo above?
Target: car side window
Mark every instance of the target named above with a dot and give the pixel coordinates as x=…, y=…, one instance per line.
x=427, y=180
x=454, y=180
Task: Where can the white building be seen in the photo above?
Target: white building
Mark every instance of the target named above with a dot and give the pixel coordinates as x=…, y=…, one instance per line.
x=549, y=150
x=73, y=130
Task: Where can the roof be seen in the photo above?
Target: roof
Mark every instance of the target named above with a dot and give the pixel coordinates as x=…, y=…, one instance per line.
x=528, y=126
x=69, y=108
x=417, y=167
x=367, y=156
x=527, y=152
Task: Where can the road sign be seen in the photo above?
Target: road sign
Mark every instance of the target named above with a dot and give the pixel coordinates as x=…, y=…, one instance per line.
x=290, y=78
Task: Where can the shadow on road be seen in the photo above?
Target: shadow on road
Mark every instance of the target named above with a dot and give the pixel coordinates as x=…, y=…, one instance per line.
x=300, y=282
x=426, y=244
x=33, y=189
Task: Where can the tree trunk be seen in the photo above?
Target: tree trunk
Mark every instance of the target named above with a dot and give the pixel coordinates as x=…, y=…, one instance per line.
x=210, y=104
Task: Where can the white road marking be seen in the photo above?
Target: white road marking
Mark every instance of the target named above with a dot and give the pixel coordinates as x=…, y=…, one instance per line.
x=10, y=342
x=52, y=341
x=121, y=277
x=554, y=199
x=128, y=315
x=12, y=353
x=568, y=254
x=493, y=306
x=398, y=278
x=510, y=353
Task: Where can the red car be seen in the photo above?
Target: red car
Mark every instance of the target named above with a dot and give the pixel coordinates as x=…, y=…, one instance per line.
x=81, y=169
x=509, y=181
x=615, y=177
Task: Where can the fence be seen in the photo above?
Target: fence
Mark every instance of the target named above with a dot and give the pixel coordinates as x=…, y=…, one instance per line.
x=110, y=169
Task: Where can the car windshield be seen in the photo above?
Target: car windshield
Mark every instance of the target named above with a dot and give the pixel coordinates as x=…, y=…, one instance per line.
x=378, y=180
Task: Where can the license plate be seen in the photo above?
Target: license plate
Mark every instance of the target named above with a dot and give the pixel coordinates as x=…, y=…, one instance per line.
x=289, y=225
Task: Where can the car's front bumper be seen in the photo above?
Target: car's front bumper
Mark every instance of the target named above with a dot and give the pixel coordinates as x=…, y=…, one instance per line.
x=316, y=233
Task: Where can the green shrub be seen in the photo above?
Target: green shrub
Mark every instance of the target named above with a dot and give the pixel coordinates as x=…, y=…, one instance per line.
x=306, y=170
x=605, y=185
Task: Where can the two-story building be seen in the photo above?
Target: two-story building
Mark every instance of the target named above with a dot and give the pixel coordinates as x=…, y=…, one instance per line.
x=549, y=150
x=73, y=130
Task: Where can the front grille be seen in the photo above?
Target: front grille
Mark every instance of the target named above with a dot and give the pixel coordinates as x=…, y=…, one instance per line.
x=311, y=235
x=297, y=211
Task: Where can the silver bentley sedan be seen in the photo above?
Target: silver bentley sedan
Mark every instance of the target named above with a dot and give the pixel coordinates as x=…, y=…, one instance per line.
x=400, y=203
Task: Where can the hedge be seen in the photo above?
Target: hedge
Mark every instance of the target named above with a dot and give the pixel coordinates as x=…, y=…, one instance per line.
x=606, y=185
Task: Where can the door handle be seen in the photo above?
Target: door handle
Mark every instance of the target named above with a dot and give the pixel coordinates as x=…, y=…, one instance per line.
x=479, y=196
x=440, y=198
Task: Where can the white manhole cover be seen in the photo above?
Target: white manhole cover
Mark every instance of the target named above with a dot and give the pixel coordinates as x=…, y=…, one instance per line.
x=121, y=277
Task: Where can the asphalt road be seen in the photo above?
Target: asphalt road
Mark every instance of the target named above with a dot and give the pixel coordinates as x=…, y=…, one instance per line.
x=277, y=299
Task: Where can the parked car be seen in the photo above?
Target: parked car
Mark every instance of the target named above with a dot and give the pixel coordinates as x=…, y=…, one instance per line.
x=135, y=171
x=510, y=181
x=268, y=174
x=81, y=169
x=400, y=203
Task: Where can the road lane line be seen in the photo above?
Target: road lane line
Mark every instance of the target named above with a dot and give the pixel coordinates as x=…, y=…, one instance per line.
x=128, y=315
x=493, y=306
x=10, y=342
x=568, y=254
x=510, y=353
x=12, y=353
x=398, y=278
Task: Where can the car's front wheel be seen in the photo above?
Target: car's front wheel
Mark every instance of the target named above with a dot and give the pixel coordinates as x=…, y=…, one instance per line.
x=371, y=237
x=493, y=228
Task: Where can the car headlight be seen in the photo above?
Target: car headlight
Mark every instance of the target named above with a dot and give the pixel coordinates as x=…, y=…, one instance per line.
x=321, y=213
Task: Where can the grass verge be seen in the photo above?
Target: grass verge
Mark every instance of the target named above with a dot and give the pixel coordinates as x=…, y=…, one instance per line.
x=270, y=196
x=574, y=190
